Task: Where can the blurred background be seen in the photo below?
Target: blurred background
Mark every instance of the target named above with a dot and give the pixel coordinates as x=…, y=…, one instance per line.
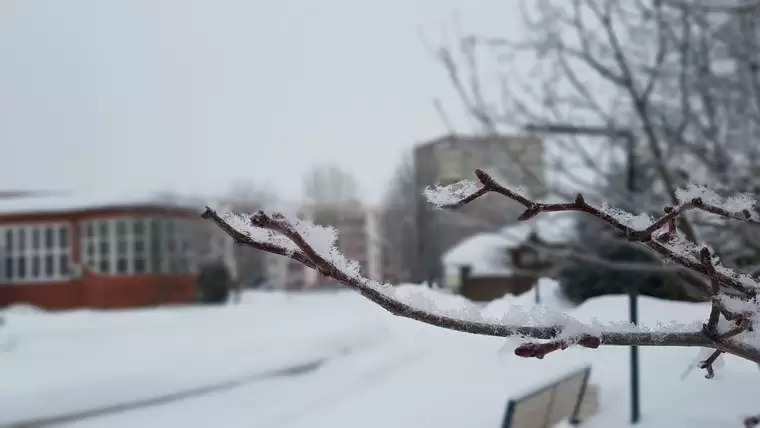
x=122, y=120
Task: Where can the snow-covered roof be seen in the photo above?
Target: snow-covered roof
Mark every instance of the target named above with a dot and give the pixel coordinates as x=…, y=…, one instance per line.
x=485, y=253
x=77, y=202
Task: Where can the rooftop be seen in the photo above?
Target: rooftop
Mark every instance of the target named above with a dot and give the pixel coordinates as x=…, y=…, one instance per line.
x=79, y=202
x=485, y=253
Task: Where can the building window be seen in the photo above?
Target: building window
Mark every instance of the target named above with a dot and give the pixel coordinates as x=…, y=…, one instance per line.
x=139, y=245
x=35, y=253
x=135, y=246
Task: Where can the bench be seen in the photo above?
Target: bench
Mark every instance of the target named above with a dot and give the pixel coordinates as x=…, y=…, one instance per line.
x=568, y=398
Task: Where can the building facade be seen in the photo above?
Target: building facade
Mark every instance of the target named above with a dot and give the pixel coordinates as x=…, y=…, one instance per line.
x=63, y=252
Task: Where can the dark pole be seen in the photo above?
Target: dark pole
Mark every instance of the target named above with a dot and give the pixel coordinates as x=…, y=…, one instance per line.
x=633, y=290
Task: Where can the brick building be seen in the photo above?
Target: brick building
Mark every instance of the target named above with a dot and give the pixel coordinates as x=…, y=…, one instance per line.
x=65, y=251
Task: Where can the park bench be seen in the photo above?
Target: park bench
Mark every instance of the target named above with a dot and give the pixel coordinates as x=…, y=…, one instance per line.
x=569, y=398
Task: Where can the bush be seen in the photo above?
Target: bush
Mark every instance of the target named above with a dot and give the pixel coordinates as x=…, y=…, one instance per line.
x=213, y=283
x=579, y=282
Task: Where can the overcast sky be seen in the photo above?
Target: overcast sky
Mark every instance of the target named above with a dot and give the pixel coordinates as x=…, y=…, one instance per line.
x=189, y=96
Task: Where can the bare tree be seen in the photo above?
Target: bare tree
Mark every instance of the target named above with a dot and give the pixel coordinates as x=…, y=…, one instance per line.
x=398, y=224
x=680, y=77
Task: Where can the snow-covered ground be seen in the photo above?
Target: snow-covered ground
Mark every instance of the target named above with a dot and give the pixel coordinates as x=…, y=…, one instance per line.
x=354, y=365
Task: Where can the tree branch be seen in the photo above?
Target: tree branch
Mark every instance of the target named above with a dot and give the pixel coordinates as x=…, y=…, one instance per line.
x=384, y=295
x=644, y=236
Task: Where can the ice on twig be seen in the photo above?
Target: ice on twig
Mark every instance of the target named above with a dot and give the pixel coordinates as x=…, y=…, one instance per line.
x=450, y=194
x=735, y=204
x=242, y=223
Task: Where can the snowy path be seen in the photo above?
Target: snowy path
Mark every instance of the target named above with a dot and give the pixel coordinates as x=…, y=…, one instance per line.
x=162, y=400
x=408, y=369
x=355, y=366
x=83, y=362
x=275, y=402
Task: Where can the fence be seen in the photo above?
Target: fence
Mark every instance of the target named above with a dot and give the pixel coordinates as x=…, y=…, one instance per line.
x=570, y=397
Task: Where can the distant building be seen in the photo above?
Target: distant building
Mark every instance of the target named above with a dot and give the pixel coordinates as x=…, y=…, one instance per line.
x=358, y=240
x=517, y=161
x=487, y=266
x=66, y=251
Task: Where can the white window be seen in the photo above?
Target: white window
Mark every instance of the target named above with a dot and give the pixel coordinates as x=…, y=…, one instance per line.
x=135, y=246
x=35, y=253
x=139, y=246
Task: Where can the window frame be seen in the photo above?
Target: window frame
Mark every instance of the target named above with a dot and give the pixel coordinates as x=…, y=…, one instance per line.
x=123, y=254
x=50, y=259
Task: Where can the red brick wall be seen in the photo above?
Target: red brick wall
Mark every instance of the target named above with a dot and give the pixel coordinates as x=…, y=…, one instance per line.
x=99, y=291
x=136, y=291
x=102, y=292
x=52, y=295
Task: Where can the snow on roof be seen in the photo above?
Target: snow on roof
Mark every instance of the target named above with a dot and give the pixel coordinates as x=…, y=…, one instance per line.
x=75, y=202
x=485, y=253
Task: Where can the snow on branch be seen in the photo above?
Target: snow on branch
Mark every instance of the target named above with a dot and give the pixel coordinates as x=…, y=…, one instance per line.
x=730, y=326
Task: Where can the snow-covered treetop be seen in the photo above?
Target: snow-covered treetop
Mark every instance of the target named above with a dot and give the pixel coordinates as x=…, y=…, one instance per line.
x=731, y=326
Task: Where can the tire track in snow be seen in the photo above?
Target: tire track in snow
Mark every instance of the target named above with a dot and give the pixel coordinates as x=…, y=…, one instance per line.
x=366, y=380
x=140, y=404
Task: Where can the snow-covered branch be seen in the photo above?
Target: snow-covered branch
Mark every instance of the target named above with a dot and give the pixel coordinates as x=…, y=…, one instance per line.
x=730, y=326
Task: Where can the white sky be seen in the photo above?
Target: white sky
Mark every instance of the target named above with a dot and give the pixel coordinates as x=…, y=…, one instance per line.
x=189, y=96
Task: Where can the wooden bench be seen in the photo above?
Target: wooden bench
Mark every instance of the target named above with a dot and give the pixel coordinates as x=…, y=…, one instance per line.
x=568, y=398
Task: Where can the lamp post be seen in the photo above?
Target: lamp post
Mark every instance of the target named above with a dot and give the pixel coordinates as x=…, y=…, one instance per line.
x=633, y=291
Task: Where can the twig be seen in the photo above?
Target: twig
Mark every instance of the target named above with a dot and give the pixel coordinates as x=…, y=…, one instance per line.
x=374, y=292
x=644, y=236
x=751, y=422
x=743, y=326
x=711, y=328
x=708, y=364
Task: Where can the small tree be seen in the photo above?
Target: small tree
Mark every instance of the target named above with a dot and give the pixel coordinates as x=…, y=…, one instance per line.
x=213, y=283
x=731, y=325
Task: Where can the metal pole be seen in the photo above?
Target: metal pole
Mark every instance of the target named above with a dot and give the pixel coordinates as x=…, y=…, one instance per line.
x=633, y=292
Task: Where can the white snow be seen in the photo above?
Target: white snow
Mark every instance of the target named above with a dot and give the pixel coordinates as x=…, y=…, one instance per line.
x=84, y=201
x=378, y=370
x=320, y=238
x=733, y=204
x=242, y=223
x=485, y=253
x=450, y=194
